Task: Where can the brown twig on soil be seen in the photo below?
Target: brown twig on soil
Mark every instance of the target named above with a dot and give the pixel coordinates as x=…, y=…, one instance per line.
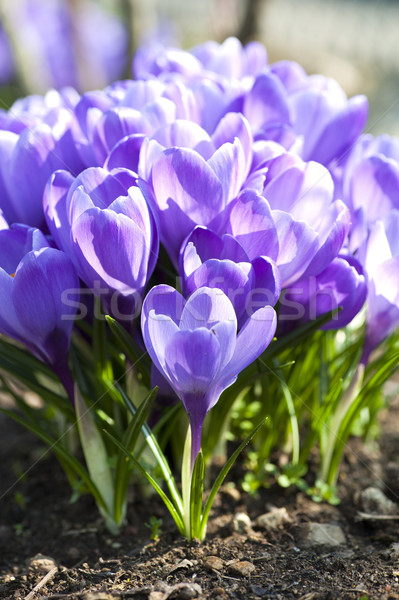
x=362, y=516
x=41, y=583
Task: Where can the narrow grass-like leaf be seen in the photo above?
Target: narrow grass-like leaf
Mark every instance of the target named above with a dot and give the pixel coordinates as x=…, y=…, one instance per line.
x=372, y=387
x=157, y=453
x=197, y=486
x=122, y=474
x=174, y=511
x=103, y=365
x=292, y=416
x=94, y=451
x=25, y=359
x=60, y=451
x=292, y=338
x=222, y=476
x=125, y=343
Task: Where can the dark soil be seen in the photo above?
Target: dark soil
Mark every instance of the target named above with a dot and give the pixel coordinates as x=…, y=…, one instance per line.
x=50, y=548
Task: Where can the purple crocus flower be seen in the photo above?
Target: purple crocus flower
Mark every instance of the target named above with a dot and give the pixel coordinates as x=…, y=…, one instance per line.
x=342, y=285
x=369, y=185
x=196, y=346
x=124, y=114
x=382, y=266
x=229, y=60
x=102, y=221
x=34, y=281
x=207, y=260
x=296, y=222
x=27, y=160
x=325, y=119
x=193, y=181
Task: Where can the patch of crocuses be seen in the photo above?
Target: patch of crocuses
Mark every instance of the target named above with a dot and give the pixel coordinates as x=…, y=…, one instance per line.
x=212, y=203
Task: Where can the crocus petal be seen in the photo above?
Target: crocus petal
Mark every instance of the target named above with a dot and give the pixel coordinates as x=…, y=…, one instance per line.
x=231, y=126
x=160, y=316
x=342, y=131
x=266, y=285
x=375, y=187
x=187, y=193
x=47, y=323
x=17, y=241
x=252, y=224
x=192, y=360
x=382, y=305
x=231, y=167
x=110, y=247
x=252, y=341
x=266, y=102
x=205, y=308
x=298, y=243
x=304, y=190
x=9, y=322
x=333, y=231
x=126, y=153
x=235, y=280
x=55, y=209
x=185, y=134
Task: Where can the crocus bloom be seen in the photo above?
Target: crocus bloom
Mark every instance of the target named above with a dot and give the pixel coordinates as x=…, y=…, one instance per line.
x=102, y=221
x=369, y=185
x=296, y=222
x=38, y=291
x=193, y=181
x=382, y=266
x=196, y=346
x=228, y=60
x=341, y=285
x=27, y=160
x=208, y=260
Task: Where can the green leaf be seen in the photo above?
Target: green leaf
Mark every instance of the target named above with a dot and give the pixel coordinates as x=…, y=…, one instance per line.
x=197, y=486
x=157, y=453
x=122, y=472
x=102, y=362
x=174, y=510
x=222, y=476
x=292, y=416
x=292, y=338
x=24, y=359
x=94, y=451
x=62, y=454
x=127, y=345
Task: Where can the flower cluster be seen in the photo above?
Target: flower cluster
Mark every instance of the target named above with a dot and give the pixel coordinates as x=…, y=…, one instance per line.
x=271, y=207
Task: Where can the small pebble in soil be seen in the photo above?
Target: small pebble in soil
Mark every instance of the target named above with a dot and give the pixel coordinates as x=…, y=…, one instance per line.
x=373, y=501
x=313, y=535
x=392, y=552
x=241, y=523
x=219, y=594
x=183, y=564
x=276, y=518
x=213, y=563
x=241, y=568
x=41, y=563
x=156, y=596
x=183, y=591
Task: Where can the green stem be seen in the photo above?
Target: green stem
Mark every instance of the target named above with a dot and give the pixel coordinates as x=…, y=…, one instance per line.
x=186, y=482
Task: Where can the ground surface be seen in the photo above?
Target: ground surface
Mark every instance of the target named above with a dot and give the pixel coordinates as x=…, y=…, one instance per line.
x=63, y=549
